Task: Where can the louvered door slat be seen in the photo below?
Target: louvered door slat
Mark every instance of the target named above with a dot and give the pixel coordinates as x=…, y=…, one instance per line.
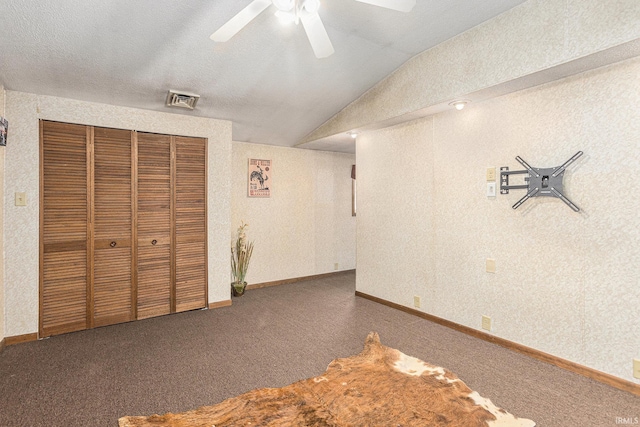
x=190, y=217
x=63, y=279
x=112, y=227
x=154, y=225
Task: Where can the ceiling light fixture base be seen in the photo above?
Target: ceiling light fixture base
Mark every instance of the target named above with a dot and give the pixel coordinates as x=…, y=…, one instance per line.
x=459, y=104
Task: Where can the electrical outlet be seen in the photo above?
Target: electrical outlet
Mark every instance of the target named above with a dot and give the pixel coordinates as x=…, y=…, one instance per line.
x=335, y=266
x=416, y=301
x=636, y=368
x=486, y=322
x=21, y=199
x=491, y=174
x=491, y=265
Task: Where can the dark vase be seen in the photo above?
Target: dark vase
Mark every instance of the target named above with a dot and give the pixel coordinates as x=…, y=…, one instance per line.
x=237, y=289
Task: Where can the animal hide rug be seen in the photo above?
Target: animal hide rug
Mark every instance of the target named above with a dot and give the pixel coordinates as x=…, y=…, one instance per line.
x=378, y=387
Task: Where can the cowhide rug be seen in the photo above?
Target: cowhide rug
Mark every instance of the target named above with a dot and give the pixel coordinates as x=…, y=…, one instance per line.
x=378, y=387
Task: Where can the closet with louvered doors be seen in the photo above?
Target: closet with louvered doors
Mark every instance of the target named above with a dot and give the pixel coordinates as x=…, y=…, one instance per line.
x=123, y=226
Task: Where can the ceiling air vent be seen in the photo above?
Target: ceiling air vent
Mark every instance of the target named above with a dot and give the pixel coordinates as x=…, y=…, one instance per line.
x=182, y=99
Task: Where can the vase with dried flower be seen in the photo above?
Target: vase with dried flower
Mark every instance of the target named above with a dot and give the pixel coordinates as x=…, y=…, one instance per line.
x=241, y=251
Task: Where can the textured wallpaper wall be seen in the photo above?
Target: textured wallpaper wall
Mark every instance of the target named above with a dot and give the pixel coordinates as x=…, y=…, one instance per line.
x=395, y=235
x=306, y=226
x=566, y=283
x=2, y=334
x=22, y=174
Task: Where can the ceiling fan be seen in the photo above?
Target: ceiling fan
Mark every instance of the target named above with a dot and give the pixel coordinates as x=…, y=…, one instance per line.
x=305, y=11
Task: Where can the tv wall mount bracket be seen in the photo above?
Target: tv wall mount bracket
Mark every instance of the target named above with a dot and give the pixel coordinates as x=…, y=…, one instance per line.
x=541, y=182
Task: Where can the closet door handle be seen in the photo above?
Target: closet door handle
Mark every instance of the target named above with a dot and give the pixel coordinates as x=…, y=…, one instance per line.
x=153, y=242
x=112, y=244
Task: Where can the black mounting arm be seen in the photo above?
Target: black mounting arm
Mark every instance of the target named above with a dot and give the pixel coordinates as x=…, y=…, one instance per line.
x=541, y=182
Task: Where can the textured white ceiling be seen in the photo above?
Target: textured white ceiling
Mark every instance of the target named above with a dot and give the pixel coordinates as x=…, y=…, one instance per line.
x=266, y=79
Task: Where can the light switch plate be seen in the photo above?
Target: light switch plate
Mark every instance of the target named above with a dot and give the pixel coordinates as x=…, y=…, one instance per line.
x=21, y=199
x=491, y=189
x=491, y=265
x=491, y=174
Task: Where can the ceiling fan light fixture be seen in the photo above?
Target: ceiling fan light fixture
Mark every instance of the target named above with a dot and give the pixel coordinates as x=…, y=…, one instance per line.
x=285, y=18
x=284, y=5
x=311, y=6
x=305, y=11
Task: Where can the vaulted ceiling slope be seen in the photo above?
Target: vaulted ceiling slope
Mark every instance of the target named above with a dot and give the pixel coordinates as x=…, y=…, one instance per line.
x=266, y=79
x=535, y=43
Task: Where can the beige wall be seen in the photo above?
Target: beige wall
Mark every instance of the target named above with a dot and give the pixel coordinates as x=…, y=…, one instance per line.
x=566, y=283
x=395, y=231
x=306, y=226
x=22, y=174
x=2, y=333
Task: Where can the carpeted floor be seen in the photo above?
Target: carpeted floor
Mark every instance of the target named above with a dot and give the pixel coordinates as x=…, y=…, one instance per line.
x=270, y=338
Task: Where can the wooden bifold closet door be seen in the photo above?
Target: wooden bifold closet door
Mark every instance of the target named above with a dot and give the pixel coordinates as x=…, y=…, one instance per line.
x=123, y=226
x=64, y=221
x=154, y=225
x=112, y=227
x=190, y=223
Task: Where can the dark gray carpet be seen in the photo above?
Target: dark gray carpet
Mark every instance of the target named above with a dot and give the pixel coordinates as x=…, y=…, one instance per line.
x=270, y=338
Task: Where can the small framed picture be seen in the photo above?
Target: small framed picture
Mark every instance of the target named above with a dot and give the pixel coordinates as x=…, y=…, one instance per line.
x=4, y=125
x=259, y=178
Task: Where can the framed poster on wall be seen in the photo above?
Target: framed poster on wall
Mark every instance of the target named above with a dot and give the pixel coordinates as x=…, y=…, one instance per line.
x=259, y=178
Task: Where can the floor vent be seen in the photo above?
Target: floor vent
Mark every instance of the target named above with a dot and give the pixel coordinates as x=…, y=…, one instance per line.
x=182, y=100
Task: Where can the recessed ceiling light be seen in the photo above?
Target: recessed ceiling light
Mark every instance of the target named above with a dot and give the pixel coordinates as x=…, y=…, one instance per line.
x=459, y=104
x=352, y=134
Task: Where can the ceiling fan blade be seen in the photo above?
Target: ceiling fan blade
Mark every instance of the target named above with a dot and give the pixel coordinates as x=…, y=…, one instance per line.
x=317, y=35
x=399, y=5
x=238, y=22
